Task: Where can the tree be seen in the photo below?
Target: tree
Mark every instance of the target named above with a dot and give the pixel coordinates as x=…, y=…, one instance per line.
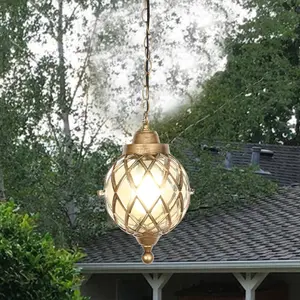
x=216, y=185
x=50, y=133
x=31, y=267
x=256, y=97
x=252, y=100
x=11, y=34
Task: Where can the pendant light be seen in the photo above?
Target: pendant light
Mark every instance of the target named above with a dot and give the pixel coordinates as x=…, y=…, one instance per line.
x=147, y=191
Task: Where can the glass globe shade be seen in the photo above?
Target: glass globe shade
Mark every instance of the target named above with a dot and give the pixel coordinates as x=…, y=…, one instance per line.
x=147, y=193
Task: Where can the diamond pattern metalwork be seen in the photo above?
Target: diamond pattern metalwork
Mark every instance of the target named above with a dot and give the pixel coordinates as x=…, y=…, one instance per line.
x=147, y=193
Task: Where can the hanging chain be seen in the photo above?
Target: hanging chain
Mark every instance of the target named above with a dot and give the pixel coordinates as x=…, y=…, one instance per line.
x=148, y=62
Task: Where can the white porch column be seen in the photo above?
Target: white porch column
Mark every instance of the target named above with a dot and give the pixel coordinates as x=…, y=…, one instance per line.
x=157, y=282
x=250, y=283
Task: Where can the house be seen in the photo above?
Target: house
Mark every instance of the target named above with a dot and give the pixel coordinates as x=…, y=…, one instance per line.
x=252, y=252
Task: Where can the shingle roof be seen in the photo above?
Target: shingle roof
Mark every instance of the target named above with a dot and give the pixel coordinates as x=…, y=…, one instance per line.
x=284, y=166
x=268, y=229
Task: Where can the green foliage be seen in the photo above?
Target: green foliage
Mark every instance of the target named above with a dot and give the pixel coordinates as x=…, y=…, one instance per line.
x=34, y=178
x=256, y=97
x=13, y=36
x=214, y=185
x=31, y=267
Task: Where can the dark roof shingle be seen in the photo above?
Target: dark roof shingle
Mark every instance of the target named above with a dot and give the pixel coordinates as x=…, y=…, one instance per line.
x=284, y=165
x=268, y=229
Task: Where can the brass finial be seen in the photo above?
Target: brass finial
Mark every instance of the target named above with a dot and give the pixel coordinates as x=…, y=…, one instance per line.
x=147, y=242
x=148, y=256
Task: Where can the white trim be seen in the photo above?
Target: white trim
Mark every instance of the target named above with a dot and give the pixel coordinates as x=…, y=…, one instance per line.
x=157, y=282
x=250, y=282
x=274, y=266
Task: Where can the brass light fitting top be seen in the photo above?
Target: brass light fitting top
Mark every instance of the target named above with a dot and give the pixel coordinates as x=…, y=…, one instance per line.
x=146, y=141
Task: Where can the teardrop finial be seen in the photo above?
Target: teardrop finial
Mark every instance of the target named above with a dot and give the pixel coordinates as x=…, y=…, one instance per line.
x=147, y=242
x=148, y=256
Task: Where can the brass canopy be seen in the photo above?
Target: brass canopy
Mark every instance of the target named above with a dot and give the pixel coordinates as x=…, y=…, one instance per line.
x=146, y=141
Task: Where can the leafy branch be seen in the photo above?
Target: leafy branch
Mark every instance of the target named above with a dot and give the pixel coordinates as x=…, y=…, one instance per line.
x=215, y=111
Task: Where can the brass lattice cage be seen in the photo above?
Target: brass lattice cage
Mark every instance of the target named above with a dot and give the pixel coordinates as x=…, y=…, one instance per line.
x=147, y=193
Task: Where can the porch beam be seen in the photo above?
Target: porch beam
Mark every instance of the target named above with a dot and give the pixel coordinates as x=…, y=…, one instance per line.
x=157, y=282
x=250, y=282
